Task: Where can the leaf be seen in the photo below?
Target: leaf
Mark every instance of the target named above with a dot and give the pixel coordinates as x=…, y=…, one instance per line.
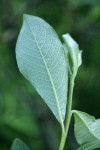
x=90, y=146
x=19, y=145
x=74, y=53
x=40, y=58
x=87, y=130
x=67, y=58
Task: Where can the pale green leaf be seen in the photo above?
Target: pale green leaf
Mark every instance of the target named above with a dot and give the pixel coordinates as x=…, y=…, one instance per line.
x=19, y=145
x=87, y=130
x=74, y=51
x=40, y=58
x=90, y=146
x=67, y=59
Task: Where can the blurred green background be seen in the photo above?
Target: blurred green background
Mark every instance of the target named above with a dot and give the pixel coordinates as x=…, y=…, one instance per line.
x=22, y=112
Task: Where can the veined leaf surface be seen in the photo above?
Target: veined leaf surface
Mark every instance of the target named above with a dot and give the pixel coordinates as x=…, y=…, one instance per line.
x=19, y=145
x=41, y=60
x=90, y=146
x=87, y=130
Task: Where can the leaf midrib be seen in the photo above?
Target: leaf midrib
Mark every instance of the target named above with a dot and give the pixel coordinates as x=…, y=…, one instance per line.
x=49, y=75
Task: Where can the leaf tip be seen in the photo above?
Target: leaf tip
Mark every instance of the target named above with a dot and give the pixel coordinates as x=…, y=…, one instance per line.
x=25, y=16
x=16, y=140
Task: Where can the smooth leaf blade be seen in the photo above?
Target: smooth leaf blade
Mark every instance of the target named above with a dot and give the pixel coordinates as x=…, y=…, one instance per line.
x=87, y=128
x=19, y=145
x=41, y=60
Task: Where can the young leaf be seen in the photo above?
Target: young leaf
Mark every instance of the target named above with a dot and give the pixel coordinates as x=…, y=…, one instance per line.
x=41, y=60
x=67, y=58
x=74, y=52
x=87, y=130
x=19, y=145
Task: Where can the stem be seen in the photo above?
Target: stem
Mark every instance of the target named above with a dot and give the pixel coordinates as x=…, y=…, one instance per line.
x=62, y=142
x=69, y=104
x=68, y=112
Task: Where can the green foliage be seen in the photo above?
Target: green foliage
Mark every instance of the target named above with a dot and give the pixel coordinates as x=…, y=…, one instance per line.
x=40, y=58
x=87, y=130
x=90, y=146
x=19, y=103
x=73, y=53
x=19, y=145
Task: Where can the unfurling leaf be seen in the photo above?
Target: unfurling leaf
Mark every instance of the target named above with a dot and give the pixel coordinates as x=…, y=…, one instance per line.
x=73, y=51
x=87, y=130
x=40, y=58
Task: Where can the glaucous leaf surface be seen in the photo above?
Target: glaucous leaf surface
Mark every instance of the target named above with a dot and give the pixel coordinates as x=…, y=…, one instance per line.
x=90, y=146
x=73, y=51
x=66, y=52
x=87, y=130
x=19, y=145
x=40, y=58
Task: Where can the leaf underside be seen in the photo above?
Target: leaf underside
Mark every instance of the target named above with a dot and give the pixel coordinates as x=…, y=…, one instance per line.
x=41, y=60
x=19, y=145
x=87, y=131
x=90, y=146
